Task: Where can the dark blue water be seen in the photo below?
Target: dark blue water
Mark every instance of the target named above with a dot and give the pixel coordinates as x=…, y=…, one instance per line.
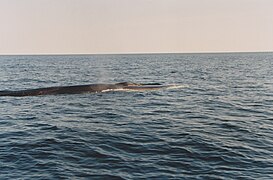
x=219, y=127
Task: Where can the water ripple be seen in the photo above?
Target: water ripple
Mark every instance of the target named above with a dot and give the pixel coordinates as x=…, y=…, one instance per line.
x=219, y=127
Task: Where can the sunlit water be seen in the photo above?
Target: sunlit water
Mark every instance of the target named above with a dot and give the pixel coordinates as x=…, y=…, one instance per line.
x=218, y=126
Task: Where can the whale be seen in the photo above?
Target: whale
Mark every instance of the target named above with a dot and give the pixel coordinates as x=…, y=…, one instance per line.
x=89, y=88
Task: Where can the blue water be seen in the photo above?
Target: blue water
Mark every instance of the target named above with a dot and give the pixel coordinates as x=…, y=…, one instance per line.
x=218, y=127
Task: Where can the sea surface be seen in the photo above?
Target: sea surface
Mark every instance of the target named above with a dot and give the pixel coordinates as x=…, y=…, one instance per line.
x=219, y=126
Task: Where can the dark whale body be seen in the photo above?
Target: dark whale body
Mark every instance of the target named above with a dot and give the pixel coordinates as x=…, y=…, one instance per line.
x=84, y=89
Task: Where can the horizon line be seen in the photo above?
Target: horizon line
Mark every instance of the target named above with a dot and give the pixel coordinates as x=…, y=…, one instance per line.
x=132, y=53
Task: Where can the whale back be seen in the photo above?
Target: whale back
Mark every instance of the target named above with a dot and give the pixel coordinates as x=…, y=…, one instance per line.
x=87, y=89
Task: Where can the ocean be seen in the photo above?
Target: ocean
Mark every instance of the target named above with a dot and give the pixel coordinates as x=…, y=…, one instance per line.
x=219, y=126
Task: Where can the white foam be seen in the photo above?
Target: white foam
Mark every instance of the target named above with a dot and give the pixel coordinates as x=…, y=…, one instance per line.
x=177, y=86
x=171, y=86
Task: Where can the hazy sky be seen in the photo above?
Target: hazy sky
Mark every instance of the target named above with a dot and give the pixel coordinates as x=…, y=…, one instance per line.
x=135, y=26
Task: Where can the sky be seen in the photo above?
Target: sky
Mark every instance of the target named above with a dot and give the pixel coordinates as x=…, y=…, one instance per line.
x=135, y=26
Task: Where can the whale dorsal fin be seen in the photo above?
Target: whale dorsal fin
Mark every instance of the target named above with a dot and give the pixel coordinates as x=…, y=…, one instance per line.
x=127, y=84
